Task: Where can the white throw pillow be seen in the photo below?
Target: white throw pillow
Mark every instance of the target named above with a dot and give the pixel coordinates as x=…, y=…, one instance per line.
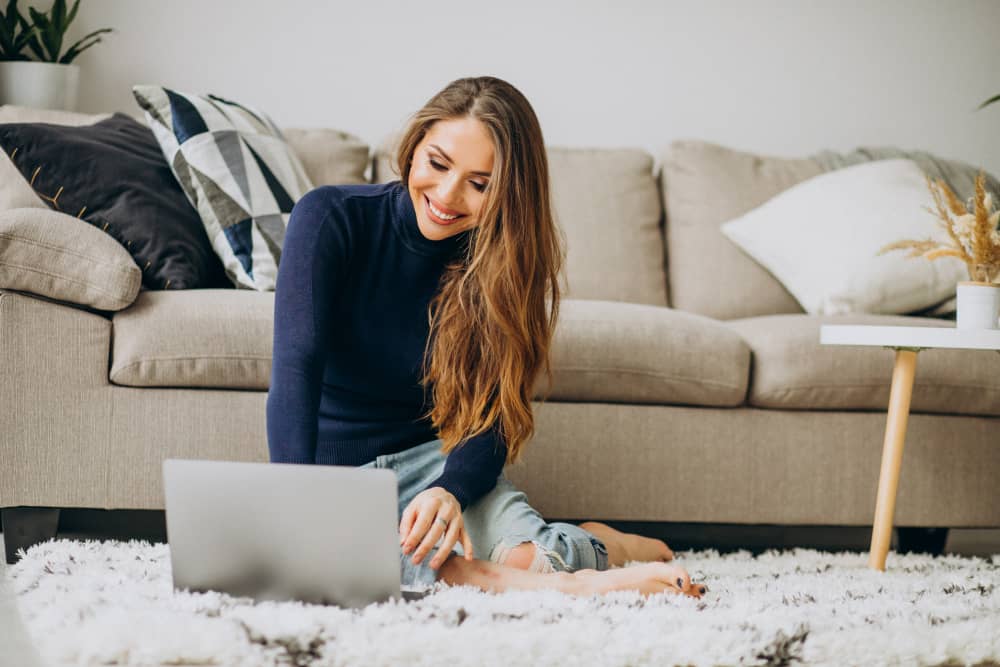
x=820, y=239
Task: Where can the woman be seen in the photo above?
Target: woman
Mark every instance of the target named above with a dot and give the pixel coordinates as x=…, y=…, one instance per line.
x=411, y=321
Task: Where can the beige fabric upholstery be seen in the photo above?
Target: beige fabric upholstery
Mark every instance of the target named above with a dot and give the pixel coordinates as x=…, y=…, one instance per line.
x=632, y=353
x=10, y=113
x=744, y=465
x=384, y=160
x=72, y=440
x=65, y=258
x=792, y=370
x=705, y=185
x=607, y=203
x=14, y=189
x=330, y=157
x=223, y=339
x=55, y=442
x=195, y=338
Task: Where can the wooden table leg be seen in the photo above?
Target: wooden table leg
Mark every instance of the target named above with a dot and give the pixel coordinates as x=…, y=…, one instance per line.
x=892, y=455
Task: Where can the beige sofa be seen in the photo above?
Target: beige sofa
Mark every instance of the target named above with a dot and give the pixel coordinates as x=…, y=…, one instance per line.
x=688, y=384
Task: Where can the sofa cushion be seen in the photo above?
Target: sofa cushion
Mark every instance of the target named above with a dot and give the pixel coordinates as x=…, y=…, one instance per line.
x=607, y=203
x=194, y=338
x=330, y=157
x=14, y=189
x=603, y=351
x=607, y=351
x=705, y=185
x=792, y=370
x=822, y=239
x=64, y=258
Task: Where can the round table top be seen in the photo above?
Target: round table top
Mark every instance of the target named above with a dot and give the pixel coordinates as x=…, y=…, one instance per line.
x=922, y=337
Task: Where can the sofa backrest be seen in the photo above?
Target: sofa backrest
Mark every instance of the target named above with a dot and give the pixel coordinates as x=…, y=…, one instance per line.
x=703, y=186
x=607, y=203
x=330, y=157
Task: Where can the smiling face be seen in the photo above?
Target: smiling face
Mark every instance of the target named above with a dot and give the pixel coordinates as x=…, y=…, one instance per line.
x=451, y=168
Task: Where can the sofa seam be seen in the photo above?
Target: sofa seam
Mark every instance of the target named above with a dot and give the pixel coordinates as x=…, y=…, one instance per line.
x=255, y=357
x=630, y=371
x=880, y=385
x=64, y=251
x=62, y=277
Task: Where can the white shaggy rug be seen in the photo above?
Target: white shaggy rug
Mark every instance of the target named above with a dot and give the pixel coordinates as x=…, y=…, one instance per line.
x=112, y=603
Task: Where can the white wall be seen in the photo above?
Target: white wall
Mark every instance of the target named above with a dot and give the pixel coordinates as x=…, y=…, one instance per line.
x=776, y=77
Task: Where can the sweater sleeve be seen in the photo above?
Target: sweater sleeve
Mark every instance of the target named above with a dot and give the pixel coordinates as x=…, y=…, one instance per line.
x=471, y=470
x=311, y=269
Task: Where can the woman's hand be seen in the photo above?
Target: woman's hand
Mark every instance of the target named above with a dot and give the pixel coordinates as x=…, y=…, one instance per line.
x=424, y=522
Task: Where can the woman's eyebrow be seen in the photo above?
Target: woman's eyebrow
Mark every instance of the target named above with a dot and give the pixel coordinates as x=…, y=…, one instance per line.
x=438, y=148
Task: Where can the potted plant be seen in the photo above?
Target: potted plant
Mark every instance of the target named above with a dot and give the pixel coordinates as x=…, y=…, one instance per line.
x=974, y=238
x=51, y=82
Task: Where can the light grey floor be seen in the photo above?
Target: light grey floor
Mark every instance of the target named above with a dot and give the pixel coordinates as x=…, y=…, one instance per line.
x=16, y=649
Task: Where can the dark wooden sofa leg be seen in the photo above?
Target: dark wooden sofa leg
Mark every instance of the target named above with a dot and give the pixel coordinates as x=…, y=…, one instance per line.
x=922, y=540
x=26, y=526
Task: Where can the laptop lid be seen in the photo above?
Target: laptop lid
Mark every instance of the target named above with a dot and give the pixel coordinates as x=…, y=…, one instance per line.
x=281, y=531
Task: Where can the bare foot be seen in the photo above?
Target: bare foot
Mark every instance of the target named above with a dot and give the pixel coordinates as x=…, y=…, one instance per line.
x=624, y=547
x=647, y=578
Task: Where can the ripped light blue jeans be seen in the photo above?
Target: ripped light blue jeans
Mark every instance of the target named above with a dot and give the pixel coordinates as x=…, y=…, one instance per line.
x=496, y=523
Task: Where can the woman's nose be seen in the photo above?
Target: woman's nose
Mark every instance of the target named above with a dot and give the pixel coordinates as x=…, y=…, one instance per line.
x=448, y=191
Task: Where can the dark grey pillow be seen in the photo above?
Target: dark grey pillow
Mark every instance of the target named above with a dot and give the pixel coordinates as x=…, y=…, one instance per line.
x=112, y=174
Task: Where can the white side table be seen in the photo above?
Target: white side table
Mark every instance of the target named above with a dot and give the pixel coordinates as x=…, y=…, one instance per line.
x=906, y=341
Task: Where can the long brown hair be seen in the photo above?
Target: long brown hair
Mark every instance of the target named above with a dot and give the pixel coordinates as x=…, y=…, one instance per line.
x=493, y=318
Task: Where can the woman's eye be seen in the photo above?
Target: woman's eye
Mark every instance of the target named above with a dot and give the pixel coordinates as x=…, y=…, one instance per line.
x=440, y=167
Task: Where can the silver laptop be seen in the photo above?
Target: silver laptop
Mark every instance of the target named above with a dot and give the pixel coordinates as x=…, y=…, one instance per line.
x=281, y=531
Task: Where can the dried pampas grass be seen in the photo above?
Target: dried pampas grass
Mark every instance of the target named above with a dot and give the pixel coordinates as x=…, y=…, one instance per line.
x=972, y=231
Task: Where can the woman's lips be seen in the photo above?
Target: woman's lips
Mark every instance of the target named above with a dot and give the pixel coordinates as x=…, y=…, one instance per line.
x=434, y=218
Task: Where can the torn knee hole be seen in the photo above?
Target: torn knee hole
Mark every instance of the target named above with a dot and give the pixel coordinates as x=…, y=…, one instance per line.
x=528, y=555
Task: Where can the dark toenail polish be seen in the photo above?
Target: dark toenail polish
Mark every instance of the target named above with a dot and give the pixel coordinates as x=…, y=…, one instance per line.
x=680, y=583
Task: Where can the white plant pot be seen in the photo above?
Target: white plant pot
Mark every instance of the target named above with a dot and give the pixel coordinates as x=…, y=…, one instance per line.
x=27, y=83
x=978, y=306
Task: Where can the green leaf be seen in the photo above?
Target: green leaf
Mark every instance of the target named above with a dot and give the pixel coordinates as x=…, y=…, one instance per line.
x=75, y=50
x=58, y=13
x=58, y=23
x=15, y=33
x=995, y=98
x=33, y=43
x=10, y=18
x=46, y=36
x=22, y=41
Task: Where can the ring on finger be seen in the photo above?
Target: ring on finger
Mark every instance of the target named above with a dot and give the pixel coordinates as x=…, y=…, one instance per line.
x=442, y=521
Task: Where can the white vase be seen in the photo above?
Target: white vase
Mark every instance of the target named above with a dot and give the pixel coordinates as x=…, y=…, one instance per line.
x=978, y=305
x=27, y=83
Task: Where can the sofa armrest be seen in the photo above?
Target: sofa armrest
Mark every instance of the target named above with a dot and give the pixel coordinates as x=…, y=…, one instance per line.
x=55, y=255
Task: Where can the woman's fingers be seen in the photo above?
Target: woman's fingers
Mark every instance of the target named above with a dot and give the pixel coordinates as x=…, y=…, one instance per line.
x=466, y=543
x=424, y=513
x=450, y=537
x=433, y=534
x=406, y=523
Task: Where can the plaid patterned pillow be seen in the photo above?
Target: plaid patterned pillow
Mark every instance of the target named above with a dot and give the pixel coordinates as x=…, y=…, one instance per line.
x=236, y=169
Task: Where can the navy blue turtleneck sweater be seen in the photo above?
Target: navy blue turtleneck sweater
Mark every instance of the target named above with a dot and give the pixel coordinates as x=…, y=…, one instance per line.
x=355, y=278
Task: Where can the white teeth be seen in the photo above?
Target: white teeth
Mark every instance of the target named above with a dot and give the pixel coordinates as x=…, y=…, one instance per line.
x=439, y=213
